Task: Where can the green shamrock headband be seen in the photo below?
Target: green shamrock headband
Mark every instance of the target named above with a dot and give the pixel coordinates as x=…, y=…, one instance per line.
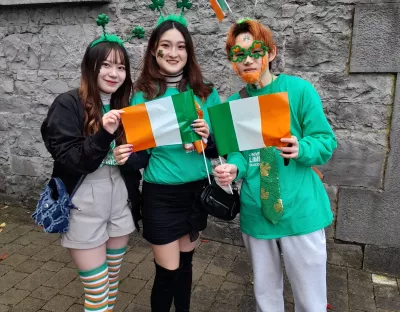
x=102, y=20
x=183, y=4
x=239, y=54
x=243, y=20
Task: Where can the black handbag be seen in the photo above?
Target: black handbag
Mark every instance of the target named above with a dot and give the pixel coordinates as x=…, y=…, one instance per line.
x=219, y=203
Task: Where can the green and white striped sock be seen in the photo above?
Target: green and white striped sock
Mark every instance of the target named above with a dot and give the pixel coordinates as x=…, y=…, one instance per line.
x=96, y=286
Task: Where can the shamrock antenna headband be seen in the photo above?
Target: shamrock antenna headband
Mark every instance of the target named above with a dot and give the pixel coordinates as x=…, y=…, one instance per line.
x=102, y=20
x=182, y=5
x=157, y=5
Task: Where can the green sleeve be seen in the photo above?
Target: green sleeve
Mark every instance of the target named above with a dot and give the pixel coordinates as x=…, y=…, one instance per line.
x=318, y=142
x=137, y=98
x=240, y=162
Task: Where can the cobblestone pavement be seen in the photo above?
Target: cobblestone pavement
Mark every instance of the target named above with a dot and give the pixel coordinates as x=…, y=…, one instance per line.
x=38, y=275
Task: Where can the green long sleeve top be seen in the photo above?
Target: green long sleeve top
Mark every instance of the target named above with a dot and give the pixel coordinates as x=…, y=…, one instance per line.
x=305, y=201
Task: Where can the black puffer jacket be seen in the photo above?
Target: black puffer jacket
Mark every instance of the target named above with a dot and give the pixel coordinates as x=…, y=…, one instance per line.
x=76, y=155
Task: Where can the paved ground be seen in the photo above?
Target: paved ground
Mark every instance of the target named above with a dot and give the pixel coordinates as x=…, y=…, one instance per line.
x=38, y=275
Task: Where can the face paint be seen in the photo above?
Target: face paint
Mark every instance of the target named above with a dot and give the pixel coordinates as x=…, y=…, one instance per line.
x=246, y=37
x=160, y=53
x=171, y=50
x=239, y=54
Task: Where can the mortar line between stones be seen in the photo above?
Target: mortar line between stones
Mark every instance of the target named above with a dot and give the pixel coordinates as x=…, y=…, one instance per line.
x=351, y=41
x=389, y=127
x=347, y=290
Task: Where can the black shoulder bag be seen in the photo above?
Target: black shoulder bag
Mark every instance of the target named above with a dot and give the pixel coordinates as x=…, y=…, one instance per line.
x=216, y=201
x=219, y=203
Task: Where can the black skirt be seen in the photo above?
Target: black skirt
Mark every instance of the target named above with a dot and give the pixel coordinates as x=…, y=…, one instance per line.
x=172, y=211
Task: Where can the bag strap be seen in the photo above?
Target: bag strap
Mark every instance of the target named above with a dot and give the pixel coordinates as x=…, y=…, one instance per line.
x=318, y=172
x=77, y=185
x=59, y=186
x=243, y=93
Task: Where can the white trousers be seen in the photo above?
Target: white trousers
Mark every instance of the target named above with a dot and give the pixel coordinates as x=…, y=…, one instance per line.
x=304, y=257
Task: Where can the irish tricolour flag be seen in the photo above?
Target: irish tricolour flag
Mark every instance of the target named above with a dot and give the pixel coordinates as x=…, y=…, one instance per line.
x=220, y=7
x=160, y=122
x=251, y=123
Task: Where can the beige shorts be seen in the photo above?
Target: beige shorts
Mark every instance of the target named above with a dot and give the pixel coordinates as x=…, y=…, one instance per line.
x=104, y=212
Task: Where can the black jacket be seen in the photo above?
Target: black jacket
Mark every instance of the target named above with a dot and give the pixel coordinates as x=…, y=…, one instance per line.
x=76, y=155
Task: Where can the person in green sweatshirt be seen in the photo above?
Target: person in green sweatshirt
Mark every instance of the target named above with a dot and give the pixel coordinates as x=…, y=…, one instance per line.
x=176, y=174
x=284, y=206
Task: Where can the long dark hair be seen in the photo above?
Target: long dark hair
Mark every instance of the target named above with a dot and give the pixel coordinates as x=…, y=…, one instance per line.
x=89, y=91
x=153, y=83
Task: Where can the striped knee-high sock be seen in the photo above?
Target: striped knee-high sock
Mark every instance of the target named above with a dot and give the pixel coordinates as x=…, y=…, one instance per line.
x=95, y=283
x=114, y=260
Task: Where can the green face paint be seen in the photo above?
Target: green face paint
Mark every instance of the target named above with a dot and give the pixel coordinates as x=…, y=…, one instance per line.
x=246, y=37
x=160, y=53
x=239, y=54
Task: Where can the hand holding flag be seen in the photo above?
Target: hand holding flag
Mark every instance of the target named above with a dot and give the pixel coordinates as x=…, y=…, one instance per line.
x=225, y=174
x=111, y=120
x=291, y=150
x=122, y=153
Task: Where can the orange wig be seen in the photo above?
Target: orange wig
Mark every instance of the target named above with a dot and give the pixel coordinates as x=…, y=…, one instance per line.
x=256, y=29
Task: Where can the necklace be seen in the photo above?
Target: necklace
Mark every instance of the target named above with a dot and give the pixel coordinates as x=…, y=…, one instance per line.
x=261, y=84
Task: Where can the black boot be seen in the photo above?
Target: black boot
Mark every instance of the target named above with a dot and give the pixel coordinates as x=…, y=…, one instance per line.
x=163, y=289
x=183, y=285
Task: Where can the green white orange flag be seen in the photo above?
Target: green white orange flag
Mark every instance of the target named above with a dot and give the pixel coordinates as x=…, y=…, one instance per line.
x=220, y=7
x=251, y=123
x=160, y=122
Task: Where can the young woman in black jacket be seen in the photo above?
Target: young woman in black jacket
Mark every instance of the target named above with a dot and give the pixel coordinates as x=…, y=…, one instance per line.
x=81, y=131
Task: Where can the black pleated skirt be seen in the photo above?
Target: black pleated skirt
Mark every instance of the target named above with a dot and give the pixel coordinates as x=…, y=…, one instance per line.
x=172, y=211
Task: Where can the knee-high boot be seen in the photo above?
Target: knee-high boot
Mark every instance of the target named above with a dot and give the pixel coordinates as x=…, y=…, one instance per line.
x=183, y=285
x=163, y=289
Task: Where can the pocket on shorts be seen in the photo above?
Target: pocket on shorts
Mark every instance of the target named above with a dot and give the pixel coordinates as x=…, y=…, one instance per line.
x=84, y=197
x=82, y=224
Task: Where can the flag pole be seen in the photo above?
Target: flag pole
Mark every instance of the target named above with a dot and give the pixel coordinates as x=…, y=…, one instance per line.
x=205, y=161
x=229, y=8
x=230, y=188
x=254, y=9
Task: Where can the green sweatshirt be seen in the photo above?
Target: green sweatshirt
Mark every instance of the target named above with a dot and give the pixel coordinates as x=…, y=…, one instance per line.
x=305, y=201
x=172, y=164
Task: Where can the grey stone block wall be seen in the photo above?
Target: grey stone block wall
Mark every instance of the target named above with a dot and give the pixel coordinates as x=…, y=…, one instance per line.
x=324, y=41
x=376, y=27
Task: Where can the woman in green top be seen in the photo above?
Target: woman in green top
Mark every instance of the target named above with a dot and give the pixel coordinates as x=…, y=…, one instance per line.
x=176, y=174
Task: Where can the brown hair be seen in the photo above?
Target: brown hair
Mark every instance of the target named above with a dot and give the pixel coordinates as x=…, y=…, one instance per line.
x=89, y=91
x=258, y=31
x=153, y=83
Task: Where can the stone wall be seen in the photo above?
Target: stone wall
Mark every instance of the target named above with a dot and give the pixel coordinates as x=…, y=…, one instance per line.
x=348, y=50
